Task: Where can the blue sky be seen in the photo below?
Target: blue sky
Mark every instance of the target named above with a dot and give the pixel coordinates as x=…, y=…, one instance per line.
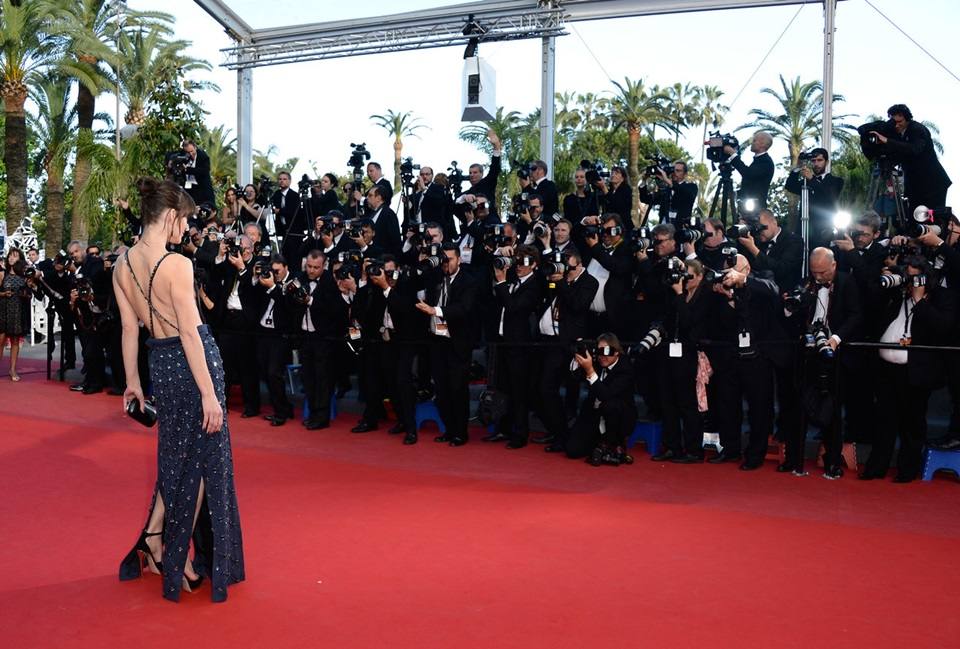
x=314, y=110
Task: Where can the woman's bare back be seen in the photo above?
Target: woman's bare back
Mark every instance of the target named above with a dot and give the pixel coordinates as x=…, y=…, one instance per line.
x=134, y=274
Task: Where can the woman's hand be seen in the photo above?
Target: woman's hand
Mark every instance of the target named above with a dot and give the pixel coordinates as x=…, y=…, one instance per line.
x=212, y=414
x=132, y=393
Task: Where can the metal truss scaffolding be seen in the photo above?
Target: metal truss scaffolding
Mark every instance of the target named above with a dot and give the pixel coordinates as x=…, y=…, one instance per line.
x=501, y=20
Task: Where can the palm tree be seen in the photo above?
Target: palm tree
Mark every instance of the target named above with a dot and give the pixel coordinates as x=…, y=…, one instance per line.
x=222, y=150
x=54, y=127
x=398, y=126
x=634, y=107
x=711, y=111
x=684, y=106
x=89, y=29
x=25, y=47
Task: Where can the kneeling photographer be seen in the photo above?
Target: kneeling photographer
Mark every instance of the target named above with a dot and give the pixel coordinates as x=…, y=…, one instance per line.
x=917, y=311
x=518, y=291
x=608, y=414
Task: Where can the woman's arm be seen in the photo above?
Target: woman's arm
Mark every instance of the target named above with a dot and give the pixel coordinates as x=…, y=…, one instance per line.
x=188, y=319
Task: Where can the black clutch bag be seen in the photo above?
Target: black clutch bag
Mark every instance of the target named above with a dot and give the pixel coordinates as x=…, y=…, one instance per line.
x=147, y=416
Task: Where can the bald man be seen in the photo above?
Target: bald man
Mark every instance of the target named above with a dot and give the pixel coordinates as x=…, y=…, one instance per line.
x=754, y=178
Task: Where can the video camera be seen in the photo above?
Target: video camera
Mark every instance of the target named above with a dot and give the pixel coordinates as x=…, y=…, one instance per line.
x=659, y=163
x=715, y=144
x=264, y=189
x=358, y=158
x=456, y=177
x=407, y=177
x=595, y=171
x=177, y=167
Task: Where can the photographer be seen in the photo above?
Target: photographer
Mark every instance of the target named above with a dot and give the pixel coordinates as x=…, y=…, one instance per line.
x=230, y=213
x=486, y=184
x=286, y=204
x=556, y=239
x=90, y=302
x=774, y=250
x=375, y=174
x=362, y=234
x=327, y=236
x=450, y=300
x=384, y=220
x=919, y=312
x=518, y=293
x=583, y=202
x=417, y=242
x=320, y=315
x=562, y=319
x=474, y=217
x=265, y=293
x=196, y=170
x=545, y=187
x=430, y=202
x=618, y=199
x=909, y=144
x=236, y=320
x=824, y=191
x=754, y=178
x=323, y=195
x=608, y=414
x=611, y=263
x=250, y=210
x=58, y=281
x=531, y=214
x=712, y=248
x=676, y=196
x=827, y=309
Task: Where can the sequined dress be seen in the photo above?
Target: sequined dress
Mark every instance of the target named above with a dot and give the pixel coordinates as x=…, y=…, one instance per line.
x=187, y=455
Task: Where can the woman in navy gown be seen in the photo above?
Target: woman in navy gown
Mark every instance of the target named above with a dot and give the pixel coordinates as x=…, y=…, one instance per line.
x=194, y=495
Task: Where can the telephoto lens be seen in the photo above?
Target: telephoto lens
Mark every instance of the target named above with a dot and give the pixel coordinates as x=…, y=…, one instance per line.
x=539, y=229
x=502, y=263
x=689, y=235
x=822, y=343
x=650, y=341
x=891, y=281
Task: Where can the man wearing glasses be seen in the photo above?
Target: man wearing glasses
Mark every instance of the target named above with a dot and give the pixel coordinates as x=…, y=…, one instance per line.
x=824, y=190
x=429, y=203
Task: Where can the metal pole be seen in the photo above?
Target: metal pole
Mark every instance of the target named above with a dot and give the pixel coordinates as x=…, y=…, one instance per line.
x=547, y=101
x=829, y=13
x=244, y=125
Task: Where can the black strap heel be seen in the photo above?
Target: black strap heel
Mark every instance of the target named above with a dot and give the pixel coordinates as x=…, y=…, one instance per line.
x=132, y=565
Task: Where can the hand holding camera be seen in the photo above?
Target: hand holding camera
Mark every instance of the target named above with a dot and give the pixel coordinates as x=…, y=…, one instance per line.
x=585, y=362
x=845, y=244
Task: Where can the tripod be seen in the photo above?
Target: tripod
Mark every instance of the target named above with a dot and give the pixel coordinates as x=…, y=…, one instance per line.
x=883, y=175
x=726, y=196
x=805, y=224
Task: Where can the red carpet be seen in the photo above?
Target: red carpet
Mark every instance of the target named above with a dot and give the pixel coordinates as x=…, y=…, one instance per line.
x=357, y=541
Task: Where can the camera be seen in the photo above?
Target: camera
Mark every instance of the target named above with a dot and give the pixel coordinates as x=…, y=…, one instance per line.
x=263, y=270
x=523, y=169
x=658, y=164
x=358, y=158
x=650, y=341
x=349, y=257
x=674, y=271
x=554, y=263
x=540, y=228
x=354, y=230
x=347, y=271
x=894, y=279
x=797, y=299
x=30, y=272
x=297, y=291
x=264, y=189
x=717, y=142
x=406, y=171
x=584, y=347
x=495, y=237
x=84, y=289
x=742, y=230
x=434, y=256
x=503, y=263
x=205, y=213
x=305, y=184
x=819, y=339
x=177, y=167
x=714, y=276
x=456, y=177
x=591, y=231
x=594, y=171
x=688, y=235
x=640, y=239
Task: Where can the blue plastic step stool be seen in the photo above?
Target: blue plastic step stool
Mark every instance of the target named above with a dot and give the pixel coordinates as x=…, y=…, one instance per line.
x=651, y=432
x=936, y=459
x=427, y=411
x=333, y=408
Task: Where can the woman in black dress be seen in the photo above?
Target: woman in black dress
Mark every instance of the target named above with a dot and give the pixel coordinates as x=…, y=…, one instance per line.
x=195, y=494
x=14, y=304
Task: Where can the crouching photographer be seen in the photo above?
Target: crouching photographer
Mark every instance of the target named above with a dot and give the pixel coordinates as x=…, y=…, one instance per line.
x=917, y=311
x=608, y=414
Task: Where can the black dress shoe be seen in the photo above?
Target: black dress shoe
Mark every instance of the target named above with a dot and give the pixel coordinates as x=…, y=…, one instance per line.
x=555, y=448
x=595, y=458
x=494, y=437
x=410, y=438
x=866, y=475
x=750, y=466
x=903, y=479
x=246, y=414
x=397, y=428
x=689, y=458
x=77, y=387
x=515, y=444
x=785, y=467
x=832, y=472
x=277, y=421
x=363, y=427
x=311, y=424
x=442, y=439
x=457, y=441
x=663, y=457
x=724, y=457
x=92, y=389
x=543, y=439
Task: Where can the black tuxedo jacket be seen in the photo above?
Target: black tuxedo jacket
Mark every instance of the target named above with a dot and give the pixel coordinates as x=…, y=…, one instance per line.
x=225, y=276
x=783, y=258
x=258, y=297
x=932, y=323
x=387, y=230
x=459, y=313
x=519, y=308
x=824, y=198
x=202, y=190
x=432, y=204
x=488, y=185
x=387, y=188
x=549, y=197
x=320, y=204
x=289, y=207
x=924, y=179
x=614, y=385
x=573, y=305
x=618, y=261
x=755, y=310
x=575, y=208
x=755, y=178
x=844, y=311
x=328, y=310
x=408, y=322
x=620, y=201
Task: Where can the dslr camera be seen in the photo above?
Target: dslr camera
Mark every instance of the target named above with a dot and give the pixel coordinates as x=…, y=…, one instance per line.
x=523, y=169
x=595, y=171
x=674, y=271
x=715, y=144
x=297, y=291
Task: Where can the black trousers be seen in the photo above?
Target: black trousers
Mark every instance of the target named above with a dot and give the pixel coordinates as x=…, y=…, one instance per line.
x=554, y=372
x=239, y=347
x=114, y=339
x=512, y=374
x=619, y=419
x=405, y=393
x=859, y=398
x=450, y=367
x=93, y=347
x=273, y=355
x=901, y=412
x=682, y=422
x=748, y=378
x=316, y=372
x=379, y=376
x=818, y=374
x=68, y=337
x=953, y=385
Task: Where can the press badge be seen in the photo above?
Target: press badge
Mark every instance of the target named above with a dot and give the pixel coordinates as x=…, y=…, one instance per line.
x=676, y=350
x=442, y=330
x=744, y=339
x=354, y=333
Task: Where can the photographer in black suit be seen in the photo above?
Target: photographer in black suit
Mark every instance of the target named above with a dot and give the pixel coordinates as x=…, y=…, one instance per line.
x=481, y=184
x=385, y=224
x=608, y=414
x=611, y=263
x=319, y=314
x=618, y=198
x=754, y=178
x=545, y=187
x=677, y=198
x=920, y=312
x=323, y=195
x=824, y=191
x=327, y=236
x=375, y=174
x=430, y=202
x=450, y=301
x=774, y=250
x=265, y=291
x=198, y=182
x=910, y=144
x=518, y=293
x=286, y=204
